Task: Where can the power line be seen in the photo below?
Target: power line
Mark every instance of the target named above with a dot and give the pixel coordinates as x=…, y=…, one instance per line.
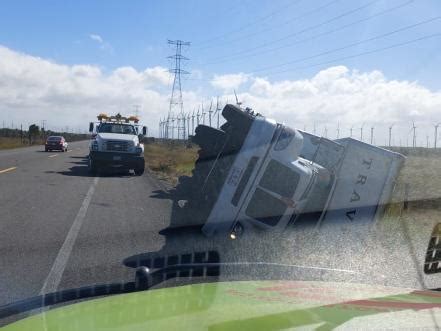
x=376, y=50
x=313, y=37
x=293, y=19
x=352, y=56
x=312, y=27
x=244, y=27
x=408, y=27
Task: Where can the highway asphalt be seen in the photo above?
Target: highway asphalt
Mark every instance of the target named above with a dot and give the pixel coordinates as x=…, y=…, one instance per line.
x=42, y=195
x=62, y=228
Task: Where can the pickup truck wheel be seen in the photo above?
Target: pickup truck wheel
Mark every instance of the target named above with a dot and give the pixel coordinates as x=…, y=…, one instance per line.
x=139, y=171
x=92, y=167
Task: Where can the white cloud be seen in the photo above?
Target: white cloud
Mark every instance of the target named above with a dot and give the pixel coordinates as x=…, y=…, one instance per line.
x=229, y=82
x=96, y=38
x=33, y=89
x=351, y=98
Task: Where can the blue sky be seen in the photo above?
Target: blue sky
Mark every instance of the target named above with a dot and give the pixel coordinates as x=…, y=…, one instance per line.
x=134, y=33
x=297, y=61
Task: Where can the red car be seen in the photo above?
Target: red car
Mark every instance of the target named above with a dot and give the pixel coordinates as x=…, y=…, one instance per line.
x=55, y=143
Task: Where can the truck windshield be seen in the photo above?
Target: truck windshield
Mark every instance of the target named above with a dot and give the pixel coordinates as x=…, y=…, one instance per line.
x=116, y=128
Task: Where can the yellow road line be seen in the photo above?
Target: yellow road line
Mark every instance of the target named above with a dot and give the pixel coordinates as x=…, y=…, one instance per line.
x=53, y=155
x=8, y=169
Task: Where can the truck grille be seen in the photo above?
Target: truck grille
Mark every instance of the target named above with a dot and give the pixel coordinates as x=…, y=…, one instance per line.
x=118, y=146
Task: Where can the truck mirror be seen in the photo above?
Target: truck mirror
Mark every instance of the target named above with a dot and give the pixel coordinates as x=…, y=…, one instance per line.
x=144, y=130
x=90, y=127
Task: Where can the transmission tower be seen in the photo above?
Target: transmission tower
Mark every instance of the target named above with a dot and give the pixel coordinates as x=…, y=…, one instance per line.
x=176, y=108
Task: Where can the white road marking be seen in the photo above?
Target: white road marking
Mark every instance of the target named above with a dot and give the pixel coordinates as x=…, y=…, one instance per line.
x=53, y=155
x=54, y=277
x=8, y=169
x=68, y=151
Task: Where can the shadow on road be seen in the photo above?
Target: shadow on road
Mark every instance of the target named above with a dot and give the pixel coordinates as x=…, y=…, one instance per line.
x=80, y=169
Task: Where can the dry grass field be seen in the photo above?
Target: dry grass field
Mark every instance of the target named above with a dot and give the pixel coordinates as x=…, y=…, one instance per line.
x=170, y=160
x=9, y=142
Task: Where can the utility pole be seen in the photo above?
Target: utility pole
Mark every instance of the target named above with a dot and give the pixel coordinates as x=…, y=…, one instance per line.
x=176, y=106
x=315, y=128
x=372, y=135
x=351, y=129
x=435, y=140
x=361, y=132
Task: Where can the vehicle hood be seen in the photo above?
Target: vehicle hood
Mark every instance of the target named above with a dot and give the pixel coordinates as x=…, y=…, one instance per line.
x=117, y=136
x=252, y=305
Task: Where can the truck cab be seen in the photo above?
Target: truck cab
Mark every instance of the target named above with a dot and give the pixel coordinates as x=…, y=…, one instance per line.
x=116, y=144
x=269, y=183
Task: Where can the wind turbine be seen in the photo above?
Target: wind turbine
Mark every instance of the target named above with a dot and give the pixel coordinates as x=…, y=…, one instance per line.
x=414, y=134
x=237, y=100
x=390, y=134
x=436, y=135
x=210, y=112
x=192, y=122
x=217, y=111
x=361, y=132
x=203, y=114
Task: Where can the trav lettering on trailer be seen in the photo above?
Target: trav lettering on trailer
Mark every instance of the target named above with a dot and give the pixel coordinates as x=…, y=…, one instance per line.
x=360, y=191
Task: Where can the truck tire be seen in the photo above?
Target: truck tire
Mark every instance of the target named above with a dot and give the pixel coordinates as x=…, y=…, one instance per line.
x=92, y=167
x=139, y=171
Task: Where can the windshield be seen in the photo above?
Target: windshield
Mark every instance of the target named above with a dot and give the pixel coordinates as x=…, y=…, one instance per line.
x=54, y=138
x=233, y=164
x=116, y=128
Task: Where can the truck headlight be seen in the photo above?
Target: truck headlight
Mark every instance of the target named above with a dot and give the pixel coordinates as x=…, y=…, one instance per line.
x=285, y=139
x=138, y=150
x=94, y=146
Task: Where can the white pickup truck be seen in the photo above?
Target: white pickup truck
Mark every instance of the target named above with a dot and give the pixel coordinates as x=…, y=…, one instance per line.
x=116, y=144
x=255, y=172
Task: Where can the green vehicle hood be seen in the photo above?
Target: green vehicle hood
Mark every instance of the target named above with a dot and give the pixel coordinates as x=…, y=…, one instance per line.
x=254, y=305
